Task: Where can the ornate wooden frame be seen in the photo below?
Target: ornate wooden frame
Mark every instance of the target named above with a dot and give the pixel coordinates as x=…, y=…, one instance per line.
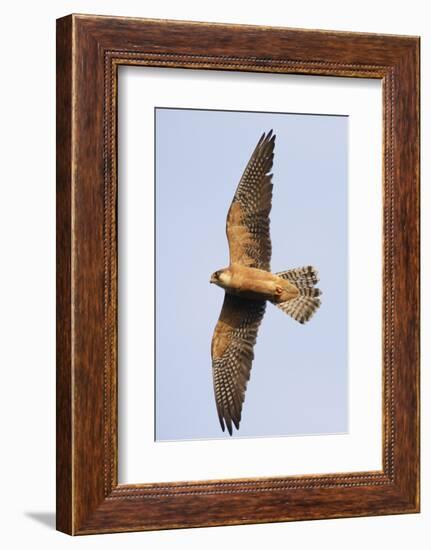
x=89, y=50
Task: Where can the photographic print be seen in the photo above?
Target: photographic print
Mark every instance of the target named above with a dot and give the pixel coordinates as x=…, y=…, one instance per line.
x=283, y=165
x=254, y=203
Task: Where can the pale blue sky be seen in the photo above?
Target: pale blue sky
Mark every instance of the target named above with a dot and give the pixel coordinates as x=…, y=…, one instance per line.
x=298, y=382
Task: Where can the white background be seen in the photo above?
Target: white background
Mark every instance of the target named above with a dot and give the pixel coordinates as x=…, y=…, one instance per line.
x=140, y=458
x=27, y=122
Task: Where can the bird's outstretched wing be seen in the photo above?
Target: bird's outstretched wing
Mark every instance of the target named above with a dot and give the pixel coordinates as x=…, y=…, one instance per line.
x=232, y=354
x=247, y=224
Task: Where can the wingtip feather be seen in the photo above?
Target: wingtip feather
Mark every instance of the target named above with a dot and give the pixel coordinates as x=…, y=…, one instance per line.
x=229, y=425
x=221, y=422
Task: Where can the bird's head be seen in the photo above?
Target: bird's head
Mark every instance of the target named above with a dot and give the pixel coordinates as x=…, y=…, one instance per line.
x=221, y=277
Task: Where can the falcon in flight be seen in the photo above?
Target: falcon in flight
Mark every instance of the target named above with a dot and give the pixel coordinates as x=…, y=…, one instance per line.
x=249, y=284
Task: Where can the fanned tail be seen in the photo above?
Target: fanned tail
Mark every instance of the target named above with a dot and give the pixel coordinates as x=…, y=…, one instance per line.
x=303, y=307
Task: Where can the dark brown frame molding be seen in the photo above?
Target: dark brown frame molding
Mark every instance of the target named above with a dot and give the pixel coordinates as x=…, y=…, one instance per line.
x=89, y=51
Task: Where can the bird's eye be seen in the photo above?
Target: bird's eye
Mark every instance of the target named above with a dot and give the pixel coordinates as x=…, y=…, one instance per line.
x=216, y=274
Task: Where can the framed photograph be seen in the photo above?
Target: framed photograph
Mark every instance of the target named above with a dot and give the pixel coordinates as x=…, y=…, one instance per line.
x=237, y=274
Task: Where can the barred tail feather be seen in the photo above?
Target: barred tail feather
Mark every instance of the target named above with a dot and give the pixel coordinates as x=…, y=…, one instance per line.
x=303, y=307
x=301, y=276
